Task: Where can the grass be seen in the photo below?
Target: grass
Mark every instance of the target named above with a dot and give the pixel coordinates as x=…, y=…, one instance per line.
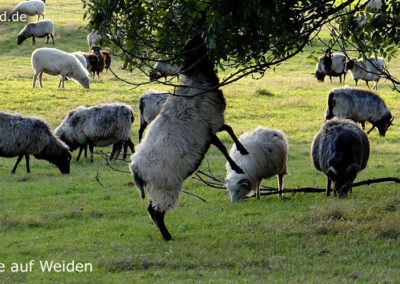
x=305, y=238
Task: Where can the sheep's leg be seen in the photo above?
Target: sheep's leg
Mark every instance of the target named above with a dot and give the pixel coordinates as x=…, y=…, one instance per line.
x=363, y=125
x=52, y=38
x=356, y=81
x=216, y=142
x=33, y=40
x=34, y=79
x=143, y=126
x=48, y=37
x=258, y=195
x=16, y=164
x=116, y=150
x=280, y=184
x=40, y=79
x=328, y=187
x=344, y=77
x=59, y=83
x=367, y=83
x=340, y=79
x=376, y=84
x=330, y=78
x=63, y=80
x=131, y=146
x=85, y=152
x=239, y=145
x=80, y=152
x=91, y=152
x=158, y=219
x=28, y=168
x=125, y=150
x=372, y=128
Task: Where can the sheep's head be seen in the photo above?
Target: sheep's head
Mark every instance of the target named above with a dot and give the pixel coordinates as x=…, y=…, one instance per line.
x=96, y=49
x=85, y=82
x=384, y=124
x=238, y=190
x=20, y=39
x=350, y=64
x=343, y=179
x=320, y=76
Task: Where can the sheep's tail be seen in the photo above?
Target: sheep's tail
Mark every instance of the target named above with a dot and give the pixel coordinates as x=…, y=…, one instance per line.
x=138, y=181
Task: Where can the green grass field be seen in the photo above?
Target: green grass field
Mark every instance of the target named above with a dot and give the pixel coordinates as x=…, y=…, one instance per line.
x=304, y=238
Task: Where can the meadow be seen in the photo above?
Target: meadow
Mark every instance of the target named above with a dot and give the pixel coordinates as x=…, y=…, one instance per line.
x=95, y=215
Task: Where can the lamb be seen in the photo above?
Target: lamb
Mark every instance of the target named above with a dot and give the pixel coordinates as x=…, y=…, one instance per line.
x=56, y=62
x=101, y=125
x=150, y=104
x=163, y=69
x=93, y=37
x=179, y=137
x=340, y=150
x=367, y=70
x=30, y=8
x=268, y=157
x=331, y=65
x=81, y=57
x=24, y=136
x=359, y=106
x=104, y=53
x=38, y=29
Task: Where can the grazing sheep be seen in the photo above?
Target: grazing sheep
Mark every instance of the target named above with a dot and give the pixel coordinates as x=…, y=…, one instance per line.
x=24, y=136
x=93, y=37
x=163, y=69
x=38, y=29
x=81, y=57
x=150, y=104
x=179, y=137
x=30, y=8
x=56, y=62
x=340, y=150
x=359, y=106
x=101, y=125
x=104, y=53
x=332, y=65
x=367, y=70
x=267, y=157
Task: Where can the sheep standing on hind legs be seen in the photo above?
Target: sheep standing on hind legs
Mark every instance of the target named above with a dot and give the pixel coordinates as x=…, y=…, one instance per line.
x=340, y=150
x=267, y=157
x=179, y=137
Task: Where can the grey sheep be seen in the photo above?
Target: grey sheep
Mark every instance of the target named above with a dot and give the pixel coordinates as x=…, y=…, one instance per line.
x=30, y=8
x=24, y=136
x=150, y=104
x=359, y=106
x=101, y=125
x=179, y=137
x=38, y=29
x=368, y=70
x=340, y=150
x=332, y=65
x=93, y=37
x=163, y=69
x=267, y=157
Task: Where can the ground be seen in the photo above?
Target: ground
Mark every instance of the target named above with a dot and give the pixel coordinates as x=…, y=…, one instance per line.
x=301, y=238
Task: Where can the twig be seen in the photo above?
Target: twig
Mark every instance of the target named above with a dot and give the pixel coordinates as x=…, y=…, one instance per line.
x=376, y=180
x=192, y=194
x=97, y=178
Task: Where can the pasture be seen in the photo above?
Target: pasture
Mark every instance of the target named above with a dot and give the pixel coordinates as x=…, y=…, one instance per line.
x=95, y=215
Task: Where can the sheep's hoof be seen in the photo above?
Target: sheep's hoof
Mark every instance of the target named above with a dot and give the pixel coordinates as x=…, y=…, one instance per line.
x=13, y=172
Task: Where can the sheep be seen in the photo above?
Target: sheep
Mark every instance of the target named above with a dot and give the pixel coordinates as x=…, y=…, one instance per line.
x=331, y=65
x=268, y=157
x=359, y=106
x=81, y=57
x=24, y=136
x=92, y=61
x=56, y=62
x=375, y=4
x=104, y=53
x=340, y=150
x=179, y=137
x=367, y=70
x=38, y=29
x=98, y=66
x=150, y=104
x=30, y=8
x=101, y=125
x=163, y=69
x=93, y=37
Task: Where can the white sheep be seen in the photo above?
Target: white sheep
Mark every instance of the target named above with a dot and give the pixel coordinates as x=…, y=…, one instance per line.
x=163, y=69
x=368, y=70
x=30, y=8
x=332, y=66
x=93, y=37
x=101, y=125
x=150, y=104
x=56, y=62
x=375, y=4
x=179, y=137
x=359, y=106
x=267, y=157
x=38, y=29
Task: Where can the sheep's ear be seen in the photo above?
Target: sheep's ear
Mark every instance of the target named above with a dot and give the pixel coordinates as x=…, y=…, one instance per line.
x=331, y=173
x=353, y=169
